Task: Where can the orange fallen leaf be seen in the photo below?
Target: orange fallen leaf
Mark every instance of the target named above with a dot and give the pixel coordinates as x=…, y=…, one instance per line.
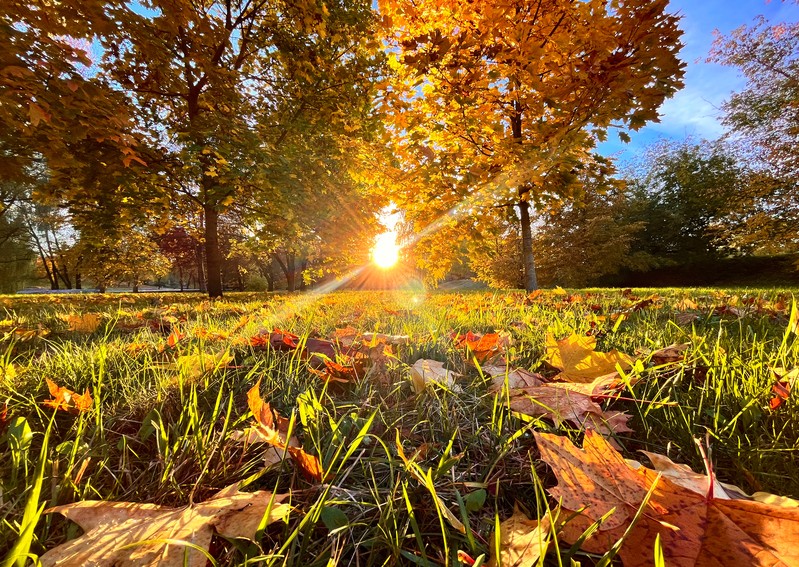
x=129, y=533
x=273, y=429
x=67, y=400
x=694, y=529
x=576, y=358
x=85, y=323
x=781, y=389
x=482, y=347
x=335, y=372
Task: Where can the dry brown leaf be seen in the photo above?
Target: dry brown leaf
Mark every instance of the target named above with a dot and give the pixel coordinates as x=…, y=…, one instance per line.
x=67, y=400
x=561, y=405
x=425, y=371
x=670, y=354
x=113, y=529
x=695, y=530
x=521, y=541
x=576, y=358
x=516, y=378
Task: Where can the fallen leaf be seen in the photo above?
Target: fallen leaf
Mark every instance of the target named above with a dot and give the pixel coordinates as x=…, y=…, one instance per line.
x=781, y=389
x=670, y=354
x=113, y=530
x=273, y=429
x=685, y=318
x=685, y=304
x=482, y=347
x=695, y=529
x=85, y=323
x=425, y=371
x=793, y=319
x=522, y=541
x=561, y=405
x=516, y=378
x=335, y=372
x=576, y=358
x=67, y=400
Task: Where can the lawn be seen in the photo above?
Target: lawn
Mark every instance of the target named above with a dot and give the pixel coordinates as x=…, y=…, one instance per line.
x=380, y=464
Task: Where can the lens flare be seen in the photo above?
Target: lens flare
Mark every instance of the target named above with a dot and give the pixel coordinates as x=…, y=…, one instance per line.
x=385, y=253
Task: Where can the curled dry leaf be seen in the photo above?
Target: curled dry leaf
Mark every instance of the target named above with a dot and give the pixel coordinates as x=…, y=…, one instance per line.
x=273, y=429
x=114, y=530
x=522, y=541
x=670, y=354
x=695, y=529
x=425, y=371
x=576, y=358
x=67, y=400
x=781, y=389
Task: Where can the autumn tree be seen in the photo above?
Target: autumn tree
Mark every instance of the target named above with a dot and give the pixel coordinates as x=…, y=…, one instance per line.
x=506, y=98
x=766, y=111
x=220, y=87
x=764, y=117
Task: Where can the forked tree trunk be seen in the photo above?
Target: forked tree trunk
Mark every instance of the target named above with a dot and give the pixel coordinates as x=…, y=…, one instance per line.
x=213, y=256
x=530, y=279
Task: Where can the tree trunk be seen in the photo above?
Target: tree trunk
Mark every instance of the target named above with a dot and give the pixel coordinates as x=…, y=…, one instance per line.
x=291, y=272
x=200, y=269
x=530, y=279
x=213, y=256
x=78, y=282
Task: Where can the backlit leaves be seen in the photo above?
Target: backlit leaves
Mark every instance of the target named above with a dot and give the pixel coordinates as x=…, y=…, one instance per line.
x=695, y=529
x=576, y=358
x=133, y=534
x=67, y=400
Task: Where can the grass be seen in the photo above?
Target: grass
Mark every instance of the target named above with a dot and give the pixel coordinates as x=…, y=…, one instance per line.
x=160, y=430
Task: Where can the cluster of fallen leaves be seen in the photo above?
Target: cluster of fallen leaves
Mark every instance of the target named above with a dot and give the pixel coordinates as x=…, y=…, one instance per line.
x=696, y=519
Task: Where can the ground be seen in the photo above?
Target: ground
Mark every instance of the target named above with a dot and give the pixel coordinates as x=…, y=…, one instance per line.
x=166, y=416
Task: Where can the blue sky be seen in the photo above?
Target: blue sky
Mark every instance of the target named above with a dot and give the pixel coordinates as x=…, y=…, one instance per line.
x=693, y=111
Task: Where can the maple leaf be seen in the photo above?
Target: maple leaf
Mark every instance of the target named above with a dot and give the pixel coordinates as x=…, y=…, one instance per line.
x=561, y=405
x=522, y=541
x=85, y=323
x=482, y=347
x=695, y=529
x=114, y=530
x=576, y=358
x=67, y=400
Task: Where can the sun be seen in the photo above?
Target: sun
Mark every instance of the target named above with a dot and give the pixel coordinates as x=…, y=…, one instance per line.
x=385, y=253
